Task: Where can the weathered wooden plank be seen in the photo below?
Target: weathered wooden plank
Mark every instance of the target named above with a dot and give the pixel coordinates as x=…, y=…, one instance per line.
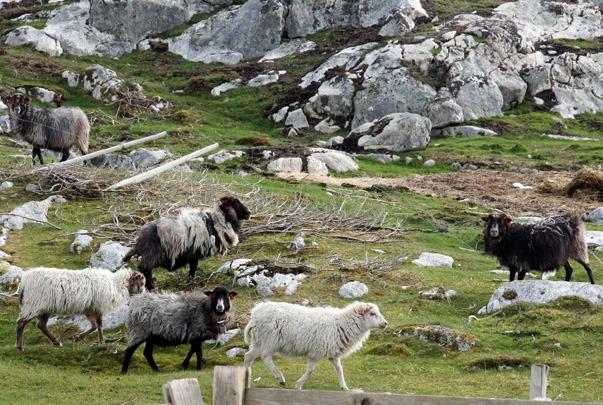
x=229, y=385
x=538, y=382
x=158, y=170
x=268, y=396
x=102, y=152
x=182, y=392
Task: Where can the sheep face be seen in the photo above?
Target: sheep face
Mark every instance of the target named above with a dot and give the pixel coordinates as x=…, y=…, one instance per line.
x=233, y=209
x=220, y=299
x=18, y=104
x=496, y=225
x=136, y=283
x=371, y=316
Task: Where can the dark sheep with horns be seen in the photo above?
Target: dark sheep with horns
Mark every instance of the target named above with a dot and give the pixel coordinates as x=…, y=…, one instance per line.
x=174, y=241
x=544, y=246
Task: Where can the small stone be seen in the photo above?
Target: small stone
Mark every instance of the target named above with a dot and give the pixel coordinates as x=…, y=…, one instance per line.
x=292, y=133
x=298, y=243
x=82, y=241
x=353, y=289
x=437, y=293
x=235, y=351
x=429, y=163
x=408, y=160
x=538, y=101
x=428, y=259
x=6, y=185
x=233, y=265
x=451, y=339
x=280, y=115
x=595, y=216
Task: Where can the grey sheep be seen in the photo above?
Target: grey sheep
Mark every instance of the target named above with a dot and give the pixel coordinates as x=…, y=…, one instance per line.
x=174, y=241
x=56, y=129
x=169, y=319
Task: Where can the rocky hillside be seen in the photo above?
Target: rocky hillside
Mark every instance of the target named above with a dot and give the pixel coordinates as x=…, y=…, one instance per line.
x=367, y=137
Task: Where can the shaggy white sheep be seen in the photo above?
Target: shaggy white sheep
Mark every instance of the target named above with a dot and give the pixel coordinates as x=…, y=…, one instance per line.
x=45, y=292
x=315, y=333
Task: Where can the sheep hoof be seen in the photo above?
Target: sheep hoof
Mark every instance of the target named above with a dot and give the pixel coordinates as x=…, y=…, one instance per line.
x=282, y=383
x=57, y=344
x=20, y=349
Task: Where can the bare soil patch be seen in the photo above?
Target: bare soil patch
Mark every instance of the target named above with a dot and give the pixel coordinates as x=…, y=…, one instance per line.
x=491, y=189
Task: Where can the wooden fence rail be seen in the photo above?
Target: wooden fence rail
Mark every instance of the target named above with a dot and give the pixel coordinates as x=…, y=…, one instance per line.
x=231, y=386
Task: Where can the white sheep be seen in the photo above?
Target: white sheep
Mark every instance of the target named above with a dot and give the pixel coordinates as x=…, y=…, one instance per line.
x=45, y=292
x=315, y=333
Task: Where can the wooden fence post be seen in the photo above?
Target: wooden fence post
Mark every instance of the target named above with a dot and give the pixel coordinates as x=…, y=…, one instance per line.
x=538, y=382
x=229, y=385
x=182, y=392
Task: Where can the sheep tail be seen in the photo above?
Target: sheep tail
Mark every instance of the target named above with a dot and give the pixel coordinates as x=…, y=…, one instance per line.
x=83, y=136
x=247, y=331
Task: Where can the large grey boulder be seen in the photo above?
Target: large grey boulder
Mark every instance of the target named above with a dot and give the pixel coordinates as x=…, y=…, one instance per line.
x=394, y=91
x=347, y=59
x=444, y=110
x=541, y=292
x=109, y=256
x=478, y=97
x=145, y=158
x=595, y=216
x=309, y=16
x=398, y=132
x=297, y=119
x=335, y=97
x=339, y=162
x=511, y=86
x=9, y=275
x=291, y=47
x=103, y=84
x=133, y=20
x=286, y=165
x=31, y=212
x=242, y=32
x=38, y=39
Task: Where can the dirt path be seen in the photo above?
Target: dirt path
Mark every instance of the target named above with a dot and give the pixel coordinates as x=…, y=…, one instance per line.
x=491, y=189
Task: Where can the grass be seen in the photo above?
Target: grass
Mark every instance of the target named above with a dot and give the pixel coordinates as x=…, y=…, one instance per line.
x=566, y=334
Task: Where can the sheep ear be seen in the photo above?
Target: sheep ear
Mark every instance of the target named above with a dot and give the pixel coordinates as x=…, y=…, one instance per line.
x=225, y=200
x=209, y=293
x=507, y=221
x=27, y=101
x=364, y=309
x=485, y=218
x=232, y=295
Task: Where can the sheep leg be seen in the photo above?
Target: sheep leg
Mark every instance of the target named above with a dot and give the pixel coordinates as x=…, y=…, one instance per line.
x=36, y=152
x=99, y=324
x=193, y=264
x=277, y=373
x=65, y=155
x=148, y=354
x=521, y=275
x=589, y=270
x=336, y=362
x=83, y=335
x=568, y=271
x=21, y=323
x=311, y=366
x=128, y=356
x=148, y=276
x=250, y=356
x=512, y=272
x=42, y=321
x=199, y=352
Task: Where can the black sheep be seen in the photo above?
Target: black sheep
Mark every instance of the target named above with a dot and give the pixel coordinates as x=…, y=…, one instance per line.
x=544, y=246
